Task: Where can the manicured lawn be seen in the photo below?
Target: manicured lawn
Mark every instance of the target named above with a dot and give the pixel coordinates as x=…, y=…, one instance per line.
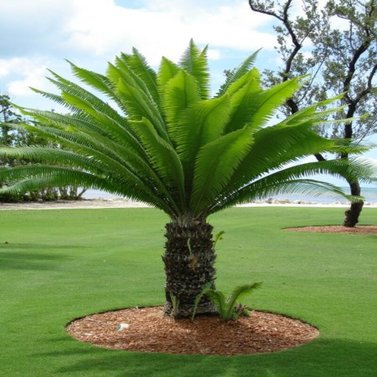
x=59, y=265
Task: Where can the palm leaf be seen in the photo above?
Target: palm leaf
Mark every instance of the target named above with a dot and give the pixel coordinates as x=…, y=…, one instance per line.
x=296, y=179
x=215, y=166
x=129, y=167
x=146, y=74
x=199, y=125
x=237, y=294
x=242, y=94
x=180, y=93
x=166, y=143
x=139, y=106
x=161, y=156
x=52, y=176
x=82, y=99
x=218, y=299
x=166, y=72
x=266, y=102
x=97, y=81
x=275, y=147
x=195, y=63
x=238, y=73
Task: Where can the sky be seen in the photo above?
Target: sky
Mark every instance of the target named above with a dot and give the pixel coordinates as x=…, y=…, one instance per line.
x=40, y=34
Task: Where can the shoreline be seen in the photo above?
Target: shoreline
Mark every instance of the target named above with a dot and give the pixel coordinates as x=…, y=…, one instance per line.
x=126, y=203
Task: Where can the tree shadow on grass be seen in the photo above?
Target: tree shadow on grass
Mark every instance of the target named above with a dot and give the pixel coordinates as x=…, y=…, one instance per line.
x=16, y=256
x=323, y=358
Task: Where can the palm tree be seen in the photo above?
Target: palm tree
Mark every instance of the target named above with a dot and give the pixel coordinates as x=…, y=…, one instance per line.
x=162, y=140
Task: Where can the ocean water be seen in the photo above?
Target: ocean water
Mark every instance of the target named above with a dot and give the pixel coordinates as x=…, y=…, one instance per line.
x=369, y=193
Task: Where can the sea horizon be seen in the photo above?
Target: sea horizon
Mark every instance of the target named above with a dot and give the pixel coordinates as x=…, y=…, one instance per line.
x=369, y=194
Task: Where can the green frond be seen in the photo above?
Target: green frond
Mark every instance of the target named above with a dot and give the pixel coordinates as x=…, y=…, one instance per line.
x=141, y=68
x=166, y=72
x=237, y=294
x=296, y=179
x=252, y=77
x=242, y=93
x=31, y=178
x=265, y=103
x=135, y=96
x=51, y=96
x=92, y=163
x=139, y=106
x=241, y=291
x=82, y=99
x=251, y=104
x=218, y=299
x=215, y=166
x=315, y=111
x=97, y=81
x=162, y=157
x=273, y=148
x=131, y=70
x=162, y=141
x=180, y=93
x=114, y=159
x=200, y=124
x=94, y=79
x=195, y=63
x=237, y=73
x=52, y=155
x=81, y=123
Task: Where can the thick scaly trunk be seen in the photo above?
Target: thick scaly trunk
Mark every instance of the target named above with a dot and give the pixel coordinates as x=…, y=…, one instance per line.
x=189, y=265
x=353, y=213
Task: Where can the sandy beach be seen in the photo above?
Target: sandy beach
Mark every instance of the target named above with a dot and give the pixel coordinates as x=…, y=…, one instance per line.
x=126, y=203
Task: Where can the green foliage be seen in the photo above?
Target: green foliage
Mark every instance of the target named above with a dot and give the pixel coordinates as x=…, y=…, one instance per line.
x=218, y=237
x=227, y=308
x=166, y=143
x=175, y=303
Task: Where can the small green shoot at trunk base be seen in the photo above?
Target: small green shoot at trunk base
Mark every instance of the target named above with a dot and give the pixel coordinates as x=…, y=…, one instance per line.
x=228, y=308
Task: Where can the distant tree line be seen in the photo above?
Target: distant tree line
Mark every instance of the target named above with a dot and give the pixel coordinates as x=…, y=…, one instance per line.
x=11, y=136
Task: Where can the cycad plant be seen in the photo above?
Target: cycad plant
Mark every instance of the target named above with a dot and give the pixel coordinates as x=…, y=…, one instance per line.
x=227, y=308
x=158, y=137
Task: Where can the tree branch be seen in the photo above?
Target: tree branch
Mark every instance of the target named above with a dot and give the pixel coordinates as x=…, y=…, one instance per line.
x=264, y=11
x=352, y=69
x=369, y=87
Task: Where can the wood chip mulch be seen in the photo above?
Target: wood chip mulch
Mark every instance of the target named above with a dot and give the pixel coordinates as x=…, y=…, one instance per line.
x=149, y=330
x=361, y=229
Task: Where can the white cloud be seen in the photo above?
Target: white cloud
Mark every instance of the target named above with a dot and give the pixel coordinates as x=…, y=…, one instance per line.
x=32, y=27
x=41, y=33
x=163, y=28
x=23, y=73
x=213, y=54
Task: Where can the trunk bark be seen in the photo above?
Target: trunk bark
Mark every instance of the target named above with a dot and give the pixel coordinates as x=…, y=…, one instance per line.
x=189, y=265
x=353, y=213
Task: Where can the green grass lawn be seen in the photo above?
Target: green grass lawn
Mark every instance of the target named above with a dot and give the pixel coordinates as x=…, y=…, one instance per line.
x=56, y=265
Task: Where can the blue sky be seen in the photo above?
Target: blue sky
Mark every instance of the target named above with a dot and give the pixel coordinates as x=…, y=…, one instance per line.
x=40, y=34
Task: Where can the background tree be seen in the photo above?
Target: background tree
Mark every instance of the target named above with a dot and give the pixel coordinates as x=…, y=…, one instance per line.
x=167, y=143
x=7, y=116
x=18, y=137
x=337, y=46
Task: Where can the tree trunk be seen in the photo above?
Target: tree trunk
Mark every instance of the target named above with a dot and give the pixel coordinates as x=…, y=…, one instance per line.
x=189, y=266
x=353, y=213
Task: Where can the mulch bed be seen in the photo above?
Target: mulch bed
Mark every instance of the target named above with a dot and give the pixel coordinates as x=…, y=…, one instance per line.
x=149, y=330
x=361, y=229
